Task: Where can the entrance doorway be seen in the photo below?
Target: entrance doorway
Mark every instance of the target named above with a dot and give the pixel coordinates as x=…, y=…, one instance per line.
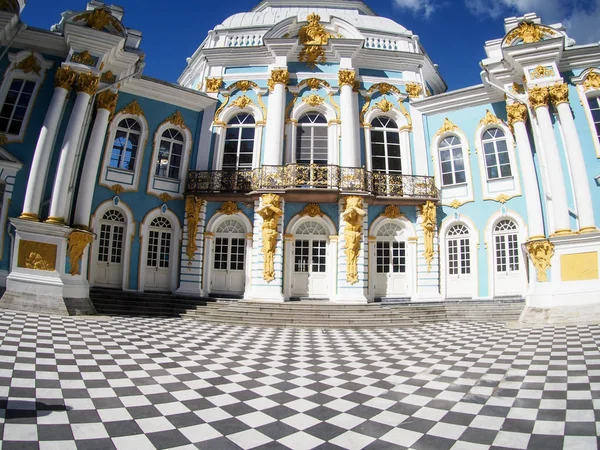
x=228, y=271
x=310, y=261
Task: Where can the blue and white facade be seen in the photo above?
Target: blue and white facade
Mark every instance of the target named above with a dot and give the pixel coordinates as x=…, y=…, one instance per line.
x=311, y=151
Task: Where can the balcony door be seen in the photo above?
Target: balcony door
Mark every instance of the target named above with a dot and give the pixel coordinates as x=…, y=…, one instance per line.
x=386, y=157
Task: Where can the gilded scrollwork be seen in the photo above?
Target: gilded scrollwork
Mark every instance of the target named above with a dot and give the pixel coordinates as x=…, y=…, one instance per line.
x=538, y=97
x=165, y=197
x=413, y=89
x=243, y=101
x=384, y=105
x=214, y=84
x=447, y=127
x=108, y=77
x=489, y=119
x=428, y=219
x=133, y=108
x=592, y=81
x=313, y=100
x=117, y=189
x=29, y=64
x=99, y=18
x=541, y=72
x=392, y=212
x=270, y=211
x=516, y=112
x=559, y=93
x=278, y=76
x=76, y=244
x=527, y=33
x=176, y=119
x=229, y=208
x=541, y=253
x=86, y=82
x=83, y=58
x=346, y=77
x=65, y=78
x=193, y=207
x=312, y=210
x=353, y=215
x=313, y=36
x=36, y=255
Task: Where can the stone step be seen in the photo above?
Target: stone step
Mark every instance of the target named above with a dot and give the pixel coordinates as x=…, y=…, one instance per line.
x=310, y=324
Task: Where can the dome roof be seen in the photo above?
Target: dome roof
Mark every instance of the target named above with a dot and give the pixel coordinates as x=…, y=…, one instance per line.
x=271, y=12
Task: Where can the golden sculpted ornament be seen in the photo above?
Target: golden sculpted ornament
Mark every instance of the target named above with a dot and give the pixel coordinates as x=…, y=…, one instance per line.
x=516, y=112
x=489, y=119
x=193, y=207
x=384, y=105
x=270, y=211
x=592, y=81
x=447, y=127
x=213, y=84
x=538, y=96
x=312, y=210
x=99, y=18
x=29, y=64
x=278, y=76
x=133, y=108
x=346, y=77
x=413, y=89
x=428, y=215
x=559, y=93
x=64, y=78
x=313, y=36
x=541, y=253
x=229, y=208
x=36, y=255
x=527, y=33
x=243, y=102
x=313, y=100
x=353, y=216
x=76, y=244
x=88, y=83
x=107, y=100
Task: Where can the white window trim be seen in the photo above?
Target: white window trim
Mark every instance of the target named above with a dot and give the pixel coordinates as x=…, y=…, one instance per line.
x=183, y=169
x=522, y=233
x=404, y=135
x=449, y=193
x=112, y=132
x=13, y=73
x=226, y=115
x=493, y=188
x=9, y=166
x=583, y=97
x=176, y=238
x=333, y=132
x=473, y=235
x=127, y=239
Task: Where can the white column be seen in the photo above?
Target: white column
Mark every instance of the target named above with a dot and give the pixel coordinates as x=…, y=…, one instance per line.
x=517, y=115
x=582, y=194
x=350, y=155
x=273, y=154
x=63, y=81
x=538, y=97
x=86, y=86
x=106, y=102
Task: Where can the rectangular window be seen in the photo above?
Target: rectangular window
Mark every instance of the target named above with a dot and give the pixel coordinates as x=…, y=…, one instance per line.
x=594, y=104
x=15, y=106
x=237, y=254
x=398, y=257
x=221, y=253
x=301, y=255
x=319, y=251
x=383, y=257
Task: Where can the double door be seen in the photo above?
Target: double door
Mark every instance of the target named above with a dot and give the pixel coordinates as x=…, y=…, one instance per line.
x=390, y=268
x=228, y=265
x=158, y=260
x=310, y=268
x=109, y=265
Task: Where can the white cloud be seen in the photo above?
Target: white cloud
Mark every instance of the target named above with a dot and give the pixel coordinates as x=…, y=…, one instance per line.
x=581, y=17
x=425, y=7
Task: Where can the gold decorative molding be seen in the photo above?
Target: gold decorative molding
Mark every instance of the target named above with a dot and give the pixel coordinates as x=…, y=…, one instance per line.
x=455, y=204
x=313, y=36
x=37, y=255
x=3, y=139
x=83, y=58
x=346, y=77
x=99, y=18
x=108, y=77
x=579, y=266
x=559, y=93
x=214, y=84
x=538, y=96
x=392, y=212
x=502, y=198
x=489, y=119
x=312, y=210
x=176, y=119
x=86, y=82
x=428, y=219
x=29, y=216
x=541, y=253
x=65, y=78
x=165, y=197
x=353, y=217
x=244, y=85
x=516, y=112
x=209, y=234
x=270, y=211
x=76, y=244
x=117, y=189
x=313, y=100
x=527, y=33
x=447, y=127
x=278, y=76
x=229, y=208
x=592, y=81
x=541, y=72
x=133, y=108
x=314, y=83
x=517, y=88
x=29, y=64
x=242, y=102
x=413, y=89
x=384, y=105
x=193, y=207
x=107, y=100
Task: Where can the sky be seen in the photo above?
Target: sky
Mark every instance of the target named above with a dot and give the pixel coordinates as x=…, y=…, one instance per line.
x=453, y=32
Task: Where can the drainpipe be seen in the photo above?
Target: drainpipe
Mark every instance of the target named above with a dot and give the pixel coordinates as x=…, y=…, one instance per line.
x=22, y=27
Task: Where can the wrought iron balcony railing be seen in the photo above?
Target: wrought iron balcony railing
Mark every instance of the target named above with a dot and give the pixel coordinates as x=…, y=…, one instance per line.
x=311, y=176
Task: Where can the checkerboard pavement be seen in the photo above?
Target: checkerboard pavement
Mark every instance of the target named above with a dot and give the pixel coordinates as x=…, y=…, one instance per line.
x=138, y=383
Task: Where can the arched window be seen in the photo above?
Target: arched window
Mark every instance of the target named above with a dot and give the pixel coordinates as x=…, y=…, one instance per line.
x=452, y=161
x=311, y=139
x=385, y=146
x=168, y=160
x=125, y=145
x=495, y=150
x=239, y=142
x=506, y=246
x=159, y=243
x=15, y=105
x=459, y=250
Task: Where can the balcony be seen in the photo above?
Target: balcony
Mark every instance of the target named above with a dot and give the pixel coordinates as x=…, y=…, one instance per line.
x=314, y=178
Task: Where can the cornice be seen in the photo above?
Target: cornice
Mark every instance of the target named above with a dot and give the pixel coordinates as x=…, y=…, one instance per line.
x=461, y=98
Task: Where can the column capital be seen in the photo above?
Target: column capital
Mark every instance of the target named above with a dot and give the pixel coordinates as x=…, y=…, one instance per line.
x=214, y=84
x=107, y=100
x=346, y=77
x=278, y=76
x=559, y=93
x=516, y=112
x=64, y=78
x=538, y=97
x=414, y=90
x=88, y=83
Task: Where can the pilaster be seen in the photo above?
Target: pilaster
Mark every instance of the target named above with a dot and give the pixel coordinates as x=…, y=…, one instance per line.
x=428, y=257
x=192, y=255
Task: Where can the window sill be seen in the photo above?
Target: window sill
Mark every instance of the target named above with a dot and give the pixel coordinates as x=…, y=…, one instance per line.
x=455, y=185
x=118, y=169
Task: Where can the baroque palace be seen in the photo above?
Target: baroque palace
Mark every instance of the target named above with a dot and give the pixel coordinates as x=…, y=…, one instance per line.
x=310, y=150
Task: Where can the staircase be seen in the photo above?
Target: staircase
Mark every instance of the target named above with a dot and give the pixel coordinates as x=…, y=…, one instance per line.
x=302, y=314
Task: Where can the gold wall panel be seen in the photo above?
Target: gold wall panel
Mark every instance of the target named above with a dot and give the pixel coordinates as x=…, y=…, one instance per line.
x=37, y=255
x=579, y=266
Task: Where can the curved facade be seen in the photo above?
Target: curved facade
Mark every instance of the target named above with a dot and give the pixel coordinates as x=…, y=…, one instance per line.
x=311, y=151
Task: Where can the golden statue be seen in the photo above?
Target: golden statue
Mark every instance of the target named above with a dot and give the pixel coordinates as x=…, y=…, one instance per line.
x=193, y=207
x=270, y=211
x=428, y=211
x=353, y=216
x=76, y=244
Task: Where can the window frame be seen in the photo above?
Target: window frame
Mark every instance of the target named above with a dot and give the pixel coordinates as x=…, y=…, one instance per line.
x=403, y=138
x=111, y=176
x=497, y=164
x=311, y=126
x=386, y=144
x=240, y=127
x=584, y=97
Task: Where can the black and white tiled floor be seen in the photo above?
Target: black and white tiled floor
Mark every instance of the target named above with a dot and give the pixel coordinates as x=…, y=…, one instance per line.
x=139, y=383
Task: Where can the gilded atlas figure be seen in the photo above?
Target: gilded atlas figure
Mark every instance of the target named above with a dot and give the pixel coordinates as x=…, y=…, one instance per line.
x=428, y=212
x=353, y=216
x=270, y=211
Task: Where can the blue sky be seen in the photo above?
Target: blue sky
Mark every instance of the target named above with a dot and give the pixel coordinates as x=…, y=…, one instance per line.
x=453, y=32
